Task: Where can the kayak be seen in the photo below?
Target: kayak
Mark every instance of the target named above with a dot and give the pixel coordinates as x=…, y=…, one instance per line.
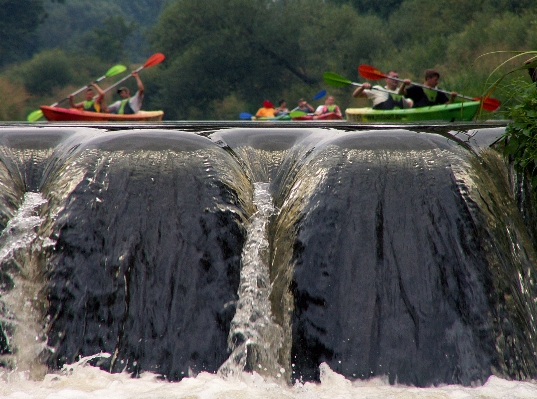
x=57, y=114
x=285, y=117
x=460, y=111
x=330, y=116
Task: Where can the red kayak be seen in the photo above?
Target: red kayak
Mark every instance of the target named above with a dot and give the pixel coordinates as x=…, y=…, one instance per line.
x=330, y=116
x=57, y=114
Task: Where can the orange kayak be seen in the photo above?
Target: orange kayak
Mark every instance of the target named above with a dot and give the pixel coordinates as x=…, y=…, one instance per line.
x=57, y=114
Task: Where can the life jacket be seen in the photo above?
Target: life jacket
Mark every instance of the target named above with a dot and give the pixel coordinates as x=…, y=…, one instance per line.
x=329, y=108
x=431, y=95
x=394, y=101
x=91, y=106
x=125, y=107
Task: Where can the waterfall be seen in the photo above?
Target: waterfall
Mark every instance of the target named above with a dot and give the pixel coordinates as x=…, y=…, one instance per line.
x=22, y=316
x=372, y=251
x=254, y=337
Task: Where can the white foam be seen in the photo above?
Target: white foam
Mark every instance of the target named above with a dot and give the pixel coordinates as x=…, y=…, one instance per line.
x=82, y=381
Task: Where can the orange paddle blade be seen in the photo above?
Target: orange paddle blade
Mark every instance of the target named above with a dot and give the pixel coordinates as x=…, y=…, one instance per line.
x=371, y=73
x=489, y=103
x=155, y=59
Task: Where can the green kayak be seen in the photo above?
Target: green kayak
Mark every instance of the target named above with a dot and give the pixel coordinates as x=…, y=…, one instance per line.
x=461, y=111
x=285, y=117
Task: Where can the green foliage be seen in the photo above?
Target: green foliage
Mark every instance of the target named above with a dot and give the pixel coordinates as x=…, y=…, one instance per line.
x=18, y=20
x=46, y=71
x=74, y=24
x=108, y=41
x=256, y=49
x=223, y=55
x=520, y=137
x=382, y=9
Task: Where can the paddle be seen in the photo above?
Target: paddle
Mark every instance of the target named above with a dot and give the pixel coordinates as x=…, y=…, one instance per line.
x=333, y=79
x=319, y=95
x=155, y=59
x=245, y=116
x=116, y=69
x=369, y=72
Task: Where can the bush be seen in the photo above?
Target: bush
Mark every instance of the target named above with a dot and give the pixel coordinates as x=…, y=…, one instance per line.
x=520, y=136
x=46, y=71
x=13, y=98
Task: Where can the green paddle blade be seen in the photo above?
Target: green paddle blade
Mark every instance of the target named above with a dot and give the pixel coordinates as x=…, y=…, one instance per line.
x=333, y=79
x=297, y=114
x=115, y=70
x=34, y=116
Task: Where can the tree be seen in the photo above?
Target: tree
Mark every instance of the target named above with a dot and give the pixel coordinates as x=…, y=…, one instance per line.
x=47, y=70
x=255, y=48
x=108, y=41
x=382, y=9
x=18, y=20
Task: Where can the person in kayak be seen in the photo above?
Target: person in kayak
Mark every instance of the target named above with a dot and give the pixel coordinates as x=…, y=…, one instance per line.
x=329, y=106
x=128, y=104
x=423, y=97
x=266, y=111
x=305, y=107
x=386, y=97
x=281, y=109
x=92, y=103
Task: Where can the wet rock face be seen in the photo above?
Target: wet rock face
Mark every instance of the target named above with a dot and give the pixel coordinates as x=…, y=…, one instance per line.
x=391, y=252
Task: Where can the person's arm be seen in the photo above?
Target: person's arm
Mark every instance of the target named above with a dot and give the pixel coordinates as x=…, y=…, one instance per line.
x=100, y=97
x=73, y=105
x=310, y=108
x=452, y=97
x=338, y=111
x=402, y=89
x=138, y=82
x=100, y=92
x=113, y=108
x=359, y=92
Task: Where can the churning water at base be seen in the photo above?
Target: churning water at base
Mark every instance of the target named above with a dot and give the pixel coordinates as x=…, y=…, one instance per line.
x=82, y=381
x=367, y=260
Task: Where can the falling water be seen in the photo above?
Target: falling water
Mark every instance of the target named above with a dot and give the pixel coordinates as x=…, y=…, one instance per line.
x=22, y=310
x=254, y=337
x=393, y=255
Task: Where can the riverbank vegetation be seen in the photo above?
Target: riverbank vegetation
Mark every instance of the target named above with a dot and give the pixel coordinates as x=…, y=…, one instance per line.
x=224, y=57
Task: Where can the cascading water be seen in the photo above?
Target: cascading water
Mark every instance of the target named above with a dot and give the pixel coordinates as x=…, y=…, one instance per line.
x=254, y=337
x=394, y=253
x=22, y=318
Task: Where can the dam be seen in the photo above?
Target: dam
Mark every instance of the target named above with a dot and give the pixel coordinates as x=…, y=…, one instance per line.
x=404, y=251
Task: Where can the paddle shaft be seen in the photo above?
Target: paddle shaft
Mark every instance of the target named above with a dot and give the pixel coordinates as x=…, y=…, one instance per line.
x=155, y=59
x=122, y=80
x=379, y=75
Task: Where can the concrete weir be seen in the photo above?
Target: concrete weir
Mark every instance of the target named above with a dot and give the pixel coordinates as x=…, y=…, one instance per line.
x=405, y=251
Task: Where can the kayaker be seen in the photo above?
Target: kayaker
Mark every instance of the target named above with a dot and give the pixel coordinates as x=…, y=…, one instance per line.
x=128, y=104
x=267, y=111
x=281, y=109
x=386, y=97
x=92, y=103
x=329, y=106
x=423, y=97
x=305, y=107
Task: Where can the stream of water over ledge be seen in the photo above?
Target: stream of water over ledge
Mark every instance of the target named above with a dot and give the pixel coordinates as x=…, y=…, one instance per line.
x=288, y=251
